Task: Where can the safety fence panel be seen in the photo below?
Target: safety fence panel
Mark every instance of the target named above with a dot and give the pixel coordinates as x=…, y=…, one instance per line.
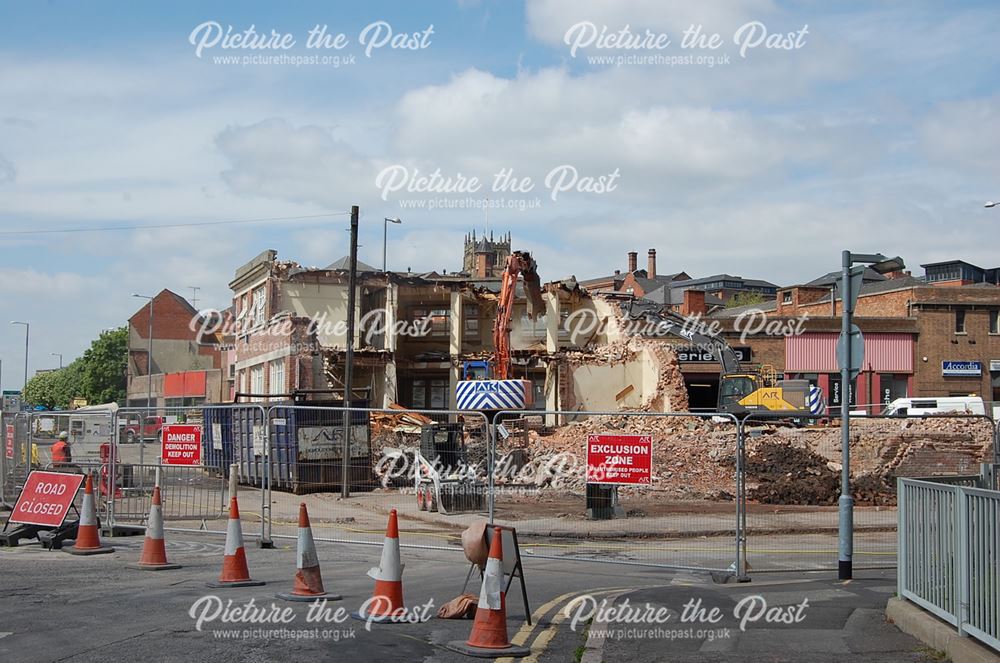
x=15, y=461
x=793, y=481
x=949, y=544
x=194, y=494
x=643, y=488
x=428, y=466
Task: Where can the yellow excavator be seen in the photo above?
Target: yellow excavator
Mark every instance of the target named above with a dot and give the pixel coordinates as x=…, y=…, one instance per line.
x=741, y=391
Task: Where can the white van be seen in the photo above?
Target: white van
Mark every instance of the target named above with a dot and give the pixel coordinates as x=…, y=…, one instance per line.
x=918, y=407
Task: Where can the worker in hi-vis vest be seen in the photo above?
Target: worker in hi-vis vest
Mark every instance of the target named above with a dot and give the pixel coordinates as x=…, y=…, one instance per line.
x=61, y=454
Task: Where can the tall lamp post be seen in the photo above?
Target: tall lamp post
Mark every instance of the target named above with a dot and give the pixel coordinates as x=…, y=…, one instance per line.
x=27, y=329
x=385, y=235
x=851, y=279
x=57, y=354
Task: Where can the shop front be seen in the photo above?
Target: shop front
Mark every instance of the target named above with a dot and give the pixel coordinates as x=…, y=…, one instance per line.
x=886, y=374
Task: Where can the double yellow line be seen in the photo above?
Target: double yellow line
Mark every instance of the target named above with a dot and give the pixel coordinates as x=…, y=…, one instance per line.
x=547, y=632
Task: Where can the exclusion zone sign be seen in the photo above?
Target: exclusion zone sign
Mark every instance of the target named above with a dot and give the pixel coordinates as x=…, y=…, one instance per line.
x=46, y=498
x=181, y=445
x=620, y=459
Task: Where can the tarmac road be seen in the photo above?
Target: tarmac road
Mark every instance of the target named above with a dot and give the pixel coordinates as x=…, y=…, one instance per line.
x=57, y=607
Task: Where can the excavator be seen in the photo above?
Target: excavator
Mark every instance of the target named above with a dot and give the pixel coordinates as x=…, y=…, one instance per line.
x=488, y=385
x=741, y=391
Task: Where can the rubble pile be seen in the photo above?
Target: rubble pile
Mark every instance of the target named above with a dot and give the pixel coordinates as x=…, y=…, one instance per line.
x=693, y=458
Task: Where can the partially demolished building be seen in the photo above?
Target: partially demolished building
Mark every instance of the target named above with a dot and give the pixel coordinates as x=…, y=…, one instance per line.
x=414, y=332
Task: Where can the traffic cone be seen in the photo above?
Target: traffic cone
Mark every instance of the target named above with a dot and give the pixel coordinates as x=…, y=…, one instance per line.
x=235, y=572
x=489, y=629
x=308, y=581
x=386, y=603
x=154, y=552
x=88, y=537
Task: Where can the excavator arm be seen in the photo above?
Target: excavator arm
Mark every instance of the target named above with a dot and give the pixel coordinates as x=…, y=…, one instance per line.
x=667, y=322
x=520, y=263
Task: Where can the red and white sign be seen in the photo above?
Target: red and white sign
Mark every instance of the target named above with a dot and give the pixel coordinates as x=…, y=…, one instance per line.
x=10, y=441
x=181, y=445
x=46, y=498
x=620, y=459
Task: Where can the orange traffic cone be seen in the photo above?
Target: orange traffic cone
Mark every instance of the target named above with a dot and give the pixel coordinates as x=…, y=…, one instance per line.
x=308, y=581
x=489, y=629
x=88, y=538
x=386, y=603
x=235, y=572
x=154, y=551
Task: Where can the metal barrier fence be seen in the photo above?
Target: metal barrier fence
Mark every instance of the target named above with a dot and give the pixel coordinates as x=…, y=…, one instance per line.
x=793, y=482
x=757, y=494
x=192, y=495
x=686, y=517
x=949, y=543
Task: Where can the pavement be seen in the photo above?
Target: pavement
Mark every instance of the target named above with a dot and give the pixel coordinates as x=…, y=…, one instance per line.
x=58, y=607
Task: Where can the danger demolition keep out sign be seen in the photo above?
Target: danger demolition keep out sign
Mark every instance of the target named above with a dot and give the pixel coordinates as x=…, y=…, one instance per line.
x=46, y=498
x=620, y=459
x=181, y=445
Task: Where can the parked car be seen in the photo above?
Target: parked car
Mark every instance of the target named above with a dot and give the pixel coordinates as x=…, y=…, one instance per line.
x=151, y=429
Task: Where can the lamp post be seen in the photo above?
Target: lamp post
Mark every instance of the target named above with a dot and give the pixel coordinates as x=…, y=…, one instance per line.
x=27, y=329
x=850, y=286
x=990, y=203
x=57, y=354
x=352, y=286
x=385, y=235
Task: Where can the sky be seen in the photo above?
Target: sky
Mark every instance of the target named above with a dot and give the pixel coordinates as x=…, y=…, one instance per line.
x=753, y=137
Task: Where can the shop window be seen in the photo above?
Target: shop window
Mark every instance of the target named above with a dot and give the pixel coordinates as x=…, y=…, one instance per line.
x=959, y=321
x=995, y=322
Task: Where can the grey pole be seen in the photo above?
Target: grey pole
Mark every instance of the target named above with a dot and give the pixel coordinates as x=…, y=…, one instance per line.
x=352, y=284
x=149, y=364
x=846, y=502
x=385, y=236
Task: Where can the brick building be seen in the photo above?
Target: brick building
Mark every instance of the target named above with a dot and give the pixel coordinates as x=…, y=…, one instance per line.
x=186, y=369
x=923, y=337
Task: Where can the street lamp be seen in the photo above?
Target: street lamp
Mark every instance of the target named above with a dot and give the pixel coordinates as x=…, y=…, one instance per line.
x=56, y=354
x=27, y=329
x=149, y=355
x=850, y=286
x=990, y=203
x=385, y=235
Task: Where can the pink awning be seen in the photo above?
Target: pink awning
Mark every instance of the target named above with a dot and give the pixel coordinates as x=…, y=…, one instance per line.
x=817, y=353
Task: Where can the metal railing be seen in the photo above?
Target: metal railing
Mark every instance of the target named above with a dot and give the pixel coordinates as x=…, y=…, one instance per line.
x=949, y=547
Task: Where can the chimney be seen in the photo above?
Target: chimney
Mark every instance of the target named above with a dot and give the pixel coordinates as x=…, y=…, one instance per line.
x=651, y=265
x=633, y=259
x=694, y=302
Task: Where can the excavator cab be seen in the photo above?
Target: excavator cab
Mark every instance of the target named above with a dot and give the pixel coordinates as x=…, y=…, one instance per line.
x=733, y=389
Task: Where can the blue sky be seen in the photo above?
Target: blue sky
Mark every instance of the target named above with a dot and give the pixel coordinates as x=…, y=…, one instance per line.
x=880, y=133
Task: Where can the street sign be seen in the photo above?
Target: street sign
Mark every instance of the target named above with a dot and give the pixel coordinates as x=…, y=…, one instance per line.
x=857, y=341
x=181, y=445
x=46, y=498
x=10, y=441
x=613, y=459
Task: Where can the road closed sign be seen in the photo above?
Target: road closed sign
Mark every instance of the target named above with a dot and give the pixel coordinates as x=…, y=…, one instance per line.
x=46, y=498
x=626, y=459
x=181, y=445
